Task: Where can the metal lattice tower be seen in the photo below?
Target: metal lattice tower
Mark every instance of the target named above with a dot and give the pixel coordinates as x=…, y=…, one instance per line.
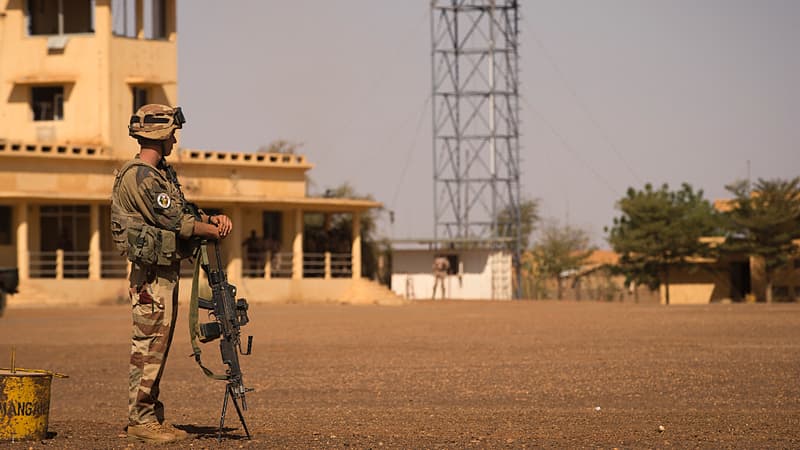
x=476, y=121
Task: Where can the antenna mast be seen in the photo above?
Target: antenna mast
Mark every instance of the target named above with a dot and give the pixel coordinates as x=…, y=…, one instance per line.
x=476, y=171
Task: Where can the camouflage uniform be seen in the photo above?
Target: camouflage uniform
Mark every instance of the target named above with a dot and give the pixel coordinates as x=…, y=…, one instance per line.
x=145, y=196
x=440, y=268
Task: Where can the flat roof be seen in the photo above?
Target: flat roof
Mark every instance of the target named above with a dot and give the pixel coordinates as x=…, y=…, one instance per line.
x=425, y=243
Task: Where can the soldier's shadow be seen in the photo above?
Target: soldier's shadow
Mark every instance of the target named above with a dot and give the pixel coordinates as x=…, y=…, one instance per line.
x=199, y=432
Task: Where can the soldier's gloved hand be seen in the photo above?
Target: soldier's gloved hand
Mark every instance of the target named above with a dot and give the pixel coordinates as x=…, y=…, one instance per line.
x=223, y=223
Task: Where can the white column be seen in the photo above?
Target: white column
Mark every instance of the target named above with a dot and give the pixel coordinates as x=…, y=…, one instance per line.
x=60, y=264
x=95, y=256
x=297, y=246
x=356, y=249
x=23, y=254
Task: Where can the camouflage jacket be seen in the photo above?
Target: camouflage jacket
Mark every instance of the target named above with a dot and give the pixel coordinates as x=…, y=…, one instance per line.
x=148, y=214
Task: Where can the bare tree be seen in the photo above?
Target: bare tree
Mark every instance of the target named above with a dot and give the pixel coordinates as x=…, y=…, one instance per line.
x=280, y=146
x=561, y=249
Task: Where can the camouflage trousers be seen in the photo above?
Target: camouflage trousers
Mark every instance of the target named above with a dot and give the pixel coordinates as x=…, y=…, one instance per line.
x=154, y=300
x=438, y=281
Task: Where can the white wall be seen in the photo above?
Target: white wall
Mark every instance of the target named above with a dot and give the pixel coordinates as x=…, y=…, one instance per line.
x=412, y=271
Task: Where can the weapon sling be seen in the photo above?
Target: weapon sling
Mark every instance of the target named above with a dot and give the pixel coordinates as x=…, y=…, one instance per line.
x=194, y=324
x=234, y=390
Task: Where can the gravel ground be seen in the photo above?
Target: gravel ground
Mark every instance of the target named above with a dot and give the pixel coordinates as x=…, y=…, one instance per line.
x=443, y=375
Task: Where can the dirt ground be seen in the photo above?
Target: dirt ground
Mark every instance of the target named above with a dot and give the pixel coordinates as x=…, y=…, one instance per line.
x=443, y=375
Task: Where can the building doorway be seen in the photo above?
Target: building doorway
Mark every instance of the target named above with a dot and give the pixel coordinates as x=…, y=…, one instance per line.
x=64, y=228
x=740, y=280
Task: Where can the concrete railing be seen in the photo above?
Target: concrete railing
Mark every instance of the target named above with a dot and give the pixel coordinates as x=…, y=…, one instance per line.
x=59, y=264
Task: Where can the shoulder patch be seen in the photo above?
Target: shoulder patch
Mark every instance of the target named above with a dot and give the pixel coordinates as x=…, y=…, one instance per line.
x=163, y=201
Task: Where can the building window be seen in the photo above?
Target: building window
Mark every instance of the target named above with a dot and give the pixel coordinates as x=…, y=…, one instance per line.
x=64, y=227
x=47, y=103
x=5, y=225
x=153, y=20
x=123, y=17
x=140, y=97
x=155, y=24
x=272, y=226
x=453, y=261
x=60, y=17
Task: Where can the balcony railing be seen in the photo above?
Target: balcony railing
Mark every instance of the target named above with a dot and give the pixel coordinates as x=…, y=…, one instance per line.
x=113, y=265
x=281, y=265
x=75, y=265
x=43, y=264
x=314, y=265
x=341, y=265
x=59, y=264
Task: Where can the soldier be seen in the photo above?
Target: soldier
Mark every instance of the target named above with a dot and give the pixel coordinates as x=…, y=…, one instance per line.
x=441, y=266
x=153, y=223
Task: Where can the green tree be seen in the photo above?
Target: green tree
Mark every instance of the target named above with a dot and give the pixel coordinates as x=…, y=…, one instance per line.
x=337, y=236
x=528, y=218
x=659, y=229
x=560, y=249
x=765, y=222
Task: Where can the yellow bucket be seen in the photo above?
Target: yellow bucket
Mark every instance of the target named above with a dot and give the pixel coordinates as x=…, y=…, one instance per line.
x=24, y=404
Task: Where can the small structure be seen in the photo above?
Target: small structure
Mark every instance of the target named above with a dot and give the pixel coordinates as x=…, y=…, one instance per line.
x=475, y=273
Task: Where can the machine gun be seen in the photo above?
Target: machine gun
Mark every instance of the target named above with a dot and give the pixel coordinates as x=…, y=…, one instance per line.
x=229, y=314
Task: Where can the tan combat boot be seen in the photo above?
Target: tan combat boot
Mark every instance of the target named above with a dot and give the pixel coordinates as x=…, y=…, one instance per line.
x=180, y=435
x=150, y=432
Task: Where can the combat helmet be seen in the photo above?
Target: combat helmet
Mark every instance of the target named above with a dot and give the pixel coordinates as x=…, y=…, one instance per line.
x=156, y=122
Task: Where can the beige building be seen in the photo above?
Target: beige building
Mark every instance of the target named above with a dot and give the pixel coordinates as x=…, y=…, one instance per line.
x=71, y=74
x=730, y=278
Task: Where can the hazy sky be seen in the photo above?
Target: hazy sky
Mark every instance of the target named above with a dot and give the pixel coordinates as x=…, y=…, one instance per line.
x=616, y=94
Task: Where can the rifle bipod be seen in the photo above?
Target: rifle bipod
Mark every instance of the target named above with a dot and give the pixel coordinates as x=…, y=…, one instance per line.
x=229, y=393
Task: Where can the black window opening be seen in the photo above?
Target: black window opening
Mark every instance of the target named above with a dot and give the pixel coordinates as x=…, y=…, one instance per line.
x=155, y=24
x=272, y=227
x=5, y=225
x=49, y=17
x=65, y=228
x=452, y=260
x=140, y=97
x=47, y=103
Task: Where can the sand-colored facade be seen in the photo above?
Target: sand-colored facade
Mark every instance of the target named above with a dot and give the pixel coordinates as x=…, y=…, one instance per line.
x=69, y=80
x=741, y=279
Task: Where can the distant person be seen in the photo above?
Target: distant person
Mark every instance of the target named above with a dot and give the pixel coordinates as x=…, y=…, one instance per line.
x=441, y=266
